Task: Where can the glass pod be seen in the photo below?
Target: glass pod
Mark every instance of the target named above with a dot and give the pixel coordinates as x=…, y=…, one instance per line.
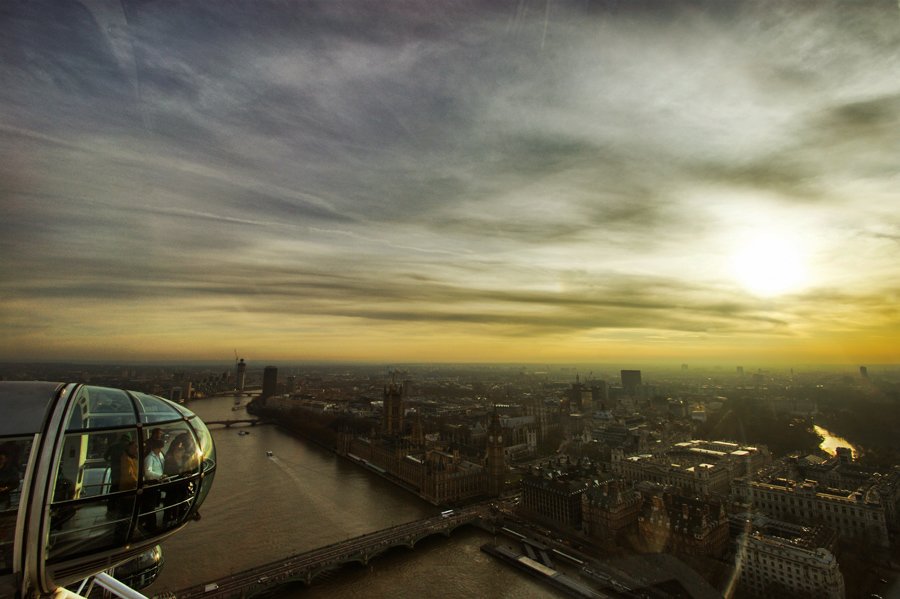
x=91, y=477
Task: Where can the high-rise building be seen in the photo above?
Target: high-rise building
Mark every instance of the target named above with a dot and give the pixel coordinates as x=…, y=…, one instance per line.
x=864, y=372
x=575, y=393
x=631, y=381
x=241, y=374
x=270, y=382
x=600, y=394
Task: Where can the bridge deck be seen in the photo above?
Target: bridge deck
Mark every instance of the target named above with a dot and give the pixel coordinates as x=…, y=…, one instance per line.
x=304, y=566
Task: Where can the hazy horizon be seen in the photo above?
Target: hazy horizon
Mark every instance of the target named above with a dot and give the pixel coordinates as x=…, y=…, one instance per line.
x=540, y=182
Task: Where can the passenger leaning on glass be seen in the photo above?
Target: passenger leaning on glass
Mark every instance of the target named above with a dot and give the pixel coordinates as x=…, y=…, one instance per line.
x=153, y=463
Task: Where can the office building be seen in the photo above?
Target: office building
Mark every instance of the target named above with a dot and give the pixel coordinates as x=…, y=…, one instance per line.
x=778, y=559
x=270, y=382
x=695, y=467
x=854, y=514
x=241, y=374
x=631, y=382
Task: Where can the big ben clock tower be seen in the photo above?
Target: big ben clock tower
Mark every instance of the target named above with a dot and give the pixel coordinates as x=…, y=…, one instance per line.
x=495, y=459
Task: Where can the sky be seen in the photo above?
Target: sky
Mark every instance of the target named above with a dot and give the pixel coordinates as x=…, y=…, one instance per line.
x=425, y=181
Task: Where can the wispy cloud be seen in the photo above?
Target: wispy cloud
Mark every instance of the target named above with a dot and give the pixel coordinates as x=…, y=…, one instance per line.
x=493, y=170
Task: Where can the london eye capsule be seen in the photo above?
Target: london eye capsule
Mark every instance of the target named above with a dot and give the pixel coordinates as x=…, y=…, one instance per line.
x=91, y=477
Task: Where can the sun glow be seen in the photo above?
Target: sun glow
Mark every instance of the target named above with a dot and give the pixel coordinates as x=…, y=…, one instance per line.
x=769, y=264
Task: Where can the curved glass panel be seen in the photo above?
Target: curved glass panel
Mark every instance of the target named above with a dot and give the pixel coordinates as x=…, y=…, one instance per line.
x=164, y=506
x=184, y=411
x=13, y=458
x=142, y=570
x=205, y=485
x=170, y=451
x=207, y=447
x=156, y=409
x=100, y=407
x=96, y=463
x=86, y=526
x=24, y=405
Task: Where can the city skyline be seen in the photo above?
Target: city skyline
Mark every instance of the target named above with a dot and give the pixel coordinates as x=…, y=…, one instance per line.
x=532, y=182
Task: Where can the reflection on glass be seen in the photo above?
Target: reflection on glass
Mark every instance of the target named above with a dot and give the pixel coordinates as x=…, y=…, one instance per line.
x=156, y=409
x=7, y=536
x=171, y=452
x=81, y=527
x=182, y=454
x=205, y=485
x=207, y=448
x=96, y=464
x=99, y=407
x=164, y=507
x=13, y=458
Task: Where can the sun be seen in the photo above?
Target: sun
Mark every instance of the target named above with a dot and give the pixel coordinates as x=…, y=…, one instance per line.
x=770, y=263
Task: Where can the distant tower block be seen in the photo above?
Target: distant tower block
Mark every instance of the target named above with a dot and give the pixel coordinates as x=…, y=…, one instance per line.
x=864, y=372
x=241, y=374
x=600, y=392
x=587, y=401
x=392, y=417
x=270, y=382
x=740, y=371
x=631, y=381
x=684, y=367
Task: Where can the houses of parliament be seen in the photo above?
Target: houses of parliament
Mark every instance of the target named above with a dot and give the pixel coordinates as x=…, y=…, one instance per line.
x=401, y=451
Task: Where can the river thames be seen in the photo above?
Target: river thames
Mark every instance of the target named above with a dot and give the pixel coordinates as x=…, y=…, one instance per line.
x=831, y=442
x=264, y=508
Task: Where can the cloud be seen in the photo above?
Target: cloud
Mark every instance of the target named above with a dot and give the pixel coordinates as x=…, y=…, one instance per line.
x=513, y=169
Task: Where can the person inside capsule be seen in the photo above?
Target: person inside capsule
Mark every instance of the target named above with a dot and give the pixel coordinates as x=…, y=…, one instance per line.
x=106, y=458
x=110, y=473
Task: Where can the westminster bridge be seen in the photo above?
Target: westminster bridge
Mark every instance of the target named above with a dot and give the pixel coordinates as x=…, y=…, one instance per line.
x=306, y=566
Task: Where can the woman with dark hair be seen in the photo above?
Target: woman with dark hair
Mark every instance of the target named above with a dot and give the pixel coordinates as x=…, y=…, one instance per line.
x=179, y=462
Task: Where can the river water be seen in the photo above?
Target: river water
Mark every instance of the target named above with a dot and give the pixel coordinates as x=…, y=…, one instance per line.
x=261, y=509
x=831, y=442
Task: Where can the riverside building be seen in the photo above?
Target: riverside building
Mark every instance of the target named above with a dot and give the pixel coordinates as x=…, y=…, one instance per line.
x=778, y=559
x=439, y=476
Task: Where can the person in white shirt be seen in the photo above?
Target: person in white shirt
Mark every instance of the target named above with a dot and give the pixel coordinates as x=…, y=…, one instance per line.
x=153, y=463
x=153, y=473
